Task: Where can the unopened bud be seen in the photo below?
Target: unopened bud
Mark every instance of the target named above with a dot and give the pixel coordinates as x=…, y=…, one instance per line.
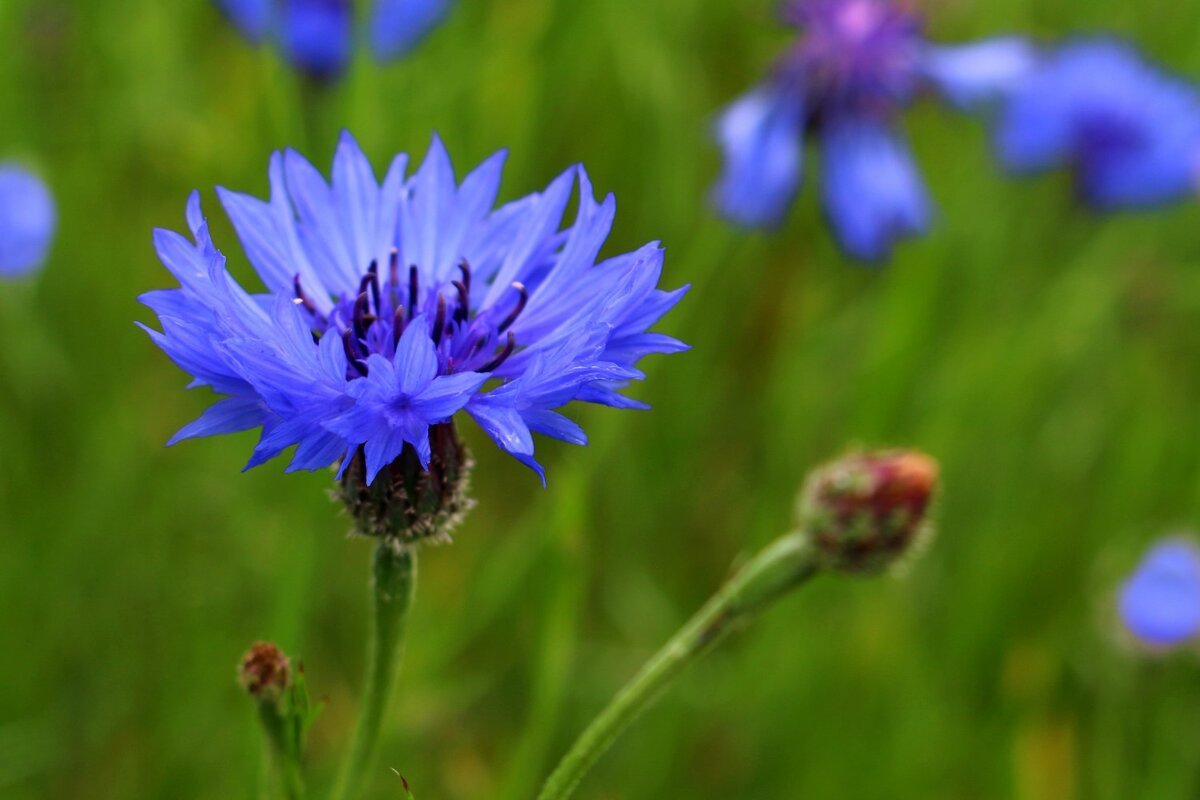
x=407, y=503
x=865, y=510
x=265, y=672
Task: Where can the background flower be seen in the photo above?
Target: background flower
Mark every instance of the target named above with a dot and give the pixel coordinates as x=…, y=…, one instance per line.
x=27, y=221
x=855, y=67
x=317, y=36
x=1160, y=602
x=1130, y=132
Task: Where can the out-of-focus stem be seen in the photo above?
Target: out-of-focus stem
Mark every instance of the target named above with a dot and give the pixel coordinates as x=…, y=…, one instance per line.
x=393, y=584
x=785, y=564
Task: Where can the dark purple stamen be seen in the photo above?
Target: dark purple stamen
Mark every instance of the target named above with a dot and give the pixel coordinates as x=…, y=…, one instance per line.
x=413, y=285
x=397, y=325
x=372, y=278
x=439, y=322
x=502, y=356
x=348, y=345
x=522, y=299
x=464, y=301
x=362, y=319
x=302, y=298
x=464, y=267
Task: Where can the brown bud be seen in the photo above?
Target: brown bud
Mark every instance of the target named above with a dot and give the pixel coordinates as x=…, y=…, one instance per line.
x=265, y=672
x=865, y=510
x=407, y=503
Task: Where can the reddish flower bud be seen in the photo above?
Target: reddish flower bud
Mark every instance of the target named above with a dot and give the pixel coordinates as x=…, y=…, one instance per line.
x=865, y=510
x=265, y=672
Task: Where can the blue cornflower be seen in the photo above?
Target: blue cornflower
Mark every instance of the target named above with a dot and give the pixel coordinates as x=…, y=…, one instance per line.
x=1130, y=131
x=856, y=65
x=393, y=306
x=1160, y=602
x=318, y=35
x=27, y=220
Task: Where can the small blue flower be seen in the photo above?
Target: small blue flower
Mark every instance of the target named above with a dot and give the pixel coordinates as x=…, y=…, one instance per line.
x=397, y=26
x=1130, y=132
x=27, y=221
x=317, y=36
x=856, y=66
x=393, y=306
x=1160, y=602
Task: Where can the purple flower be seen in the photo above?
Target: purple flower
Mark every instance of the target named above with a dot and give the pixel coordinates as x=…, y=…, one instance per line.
x=855, y=67
x=1160, y=602
x=317, y=36
x=27, y=221
x=394, y=305
x=1130, y=132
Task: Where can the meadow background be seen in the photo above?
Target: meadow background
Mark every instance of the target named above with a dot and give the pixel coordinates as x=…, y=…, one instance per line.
x=1046, y=356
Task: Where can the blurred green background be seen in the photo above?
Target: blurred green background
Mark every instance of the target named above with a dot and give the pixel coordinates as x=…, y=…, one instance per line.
x=1045, y=356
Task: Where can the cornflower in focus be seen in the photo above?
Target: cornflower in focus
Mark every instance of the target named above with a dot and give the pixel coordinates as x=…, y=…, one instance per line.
x=318, y=36
x=392, y=307
x=1160, y=602
x=856, y=66
x=1129, y=132
x=27, y=221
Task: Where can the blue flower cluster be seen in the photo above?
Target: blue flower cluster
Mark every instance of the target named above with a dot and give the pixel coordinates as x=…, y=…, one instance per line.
x=317, y=36
x=394, y=305
x=1130, y=133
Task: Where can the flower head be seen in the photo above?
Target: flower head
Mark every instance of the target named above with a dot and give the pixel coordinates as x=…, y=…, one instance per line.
x=27, y=220
x=1130, y=132
x=392, y=306
x=865, y=510
x=1160, y=603
x=265, y=672
x=317, y=36
x=855, y=67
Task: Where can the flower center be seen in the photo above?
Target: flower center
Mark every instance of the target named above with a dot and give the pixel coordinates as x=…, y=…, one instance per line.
x=372, y=319
x=856, y=55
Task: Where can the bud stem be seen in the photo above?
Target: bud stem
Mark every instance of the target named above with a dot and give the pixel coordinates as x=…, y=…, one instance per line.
x=394, y=582
x=784, y=565
x=285, y=777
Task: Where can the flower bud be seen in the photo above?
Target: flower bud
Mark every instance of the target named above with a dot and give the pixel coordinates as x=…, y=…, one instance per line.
x=265, y=672
x=406, y=502
x=865, y=510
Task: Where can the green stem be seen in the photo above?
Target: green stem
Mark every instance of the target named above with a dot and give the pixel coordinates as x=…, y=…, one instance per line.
x=784, y=565
x=285, y=778
x=394, y=582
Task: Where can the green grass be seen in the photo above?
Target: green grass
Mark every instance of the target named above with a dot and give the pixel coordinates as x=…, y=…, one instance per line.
x=1047, y=357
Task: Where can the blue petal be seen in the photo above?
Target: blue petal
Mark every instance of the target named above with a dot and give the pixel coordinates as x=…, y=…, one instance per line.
x=27, y=221
x=317, y=35
x=416, y=359
x=399, y=25
x=1160, y=603
x=447, y=395
x=251, y=17
x=761, y=137
x=873, y=194
x=227, y=416
x=980, y=72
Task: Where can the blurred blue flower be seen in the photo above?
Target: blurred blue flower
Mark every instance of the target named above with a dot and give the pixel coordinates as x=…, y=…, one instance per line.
x=317, y=36
x=1130, y=131
x=397, y=26
x=1160, y=602
x=856, y=65
x=27, y=221
x=393, y=306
